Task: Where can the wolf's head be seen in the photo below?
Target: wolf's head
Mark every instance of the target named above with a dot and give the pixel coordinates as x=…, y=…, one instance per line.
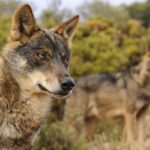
x=38, y=58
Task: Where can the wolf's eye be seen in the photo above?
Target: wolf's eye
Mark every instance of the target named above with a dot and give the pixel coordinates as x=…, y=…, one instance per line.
x=66, y=60
x=41, y=55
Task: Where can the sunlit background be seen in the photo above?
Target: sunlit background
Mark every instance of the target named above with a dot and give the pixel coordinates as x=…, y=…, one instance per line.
x=45, y=4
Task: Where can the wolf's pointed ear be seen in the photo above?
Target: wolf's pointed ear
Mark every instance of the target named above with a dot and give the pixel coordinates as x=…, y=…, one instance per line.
x=67, y=29
x=23, y=24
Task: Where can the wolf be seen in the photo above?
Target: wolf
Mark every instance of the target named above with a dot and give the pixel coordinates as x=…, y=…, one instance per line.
x=34, y=72
x=123, y=95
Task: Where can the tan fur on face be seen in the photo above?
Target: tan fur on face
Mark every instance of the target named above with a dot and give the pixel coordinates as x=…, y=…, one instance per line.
x=31, y=80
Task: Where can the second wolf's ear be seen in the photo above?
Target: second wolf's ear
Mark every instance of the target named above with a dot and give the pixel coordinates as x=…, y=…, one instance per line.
x=23, y=24
x=67, y=29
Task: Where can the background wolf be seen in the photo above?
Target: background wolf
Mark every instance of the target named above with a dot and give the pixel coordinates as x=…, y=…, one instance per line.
x=104, y=96
x=34, y=71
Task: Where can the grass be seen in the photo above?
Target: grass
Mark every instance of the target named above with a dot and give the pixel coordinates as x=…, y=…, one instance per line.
x=58, y=137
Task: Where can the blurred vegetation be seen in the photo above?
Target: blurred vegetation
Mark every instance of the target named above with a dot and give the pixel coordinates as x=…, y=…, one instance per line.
x=109, y=39
x=55, y=137
x=7, y=7
x=140, y=11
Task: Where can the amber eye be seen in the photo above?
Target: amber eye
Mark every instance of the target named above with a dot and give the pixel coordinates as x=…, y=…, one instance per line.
x=41, y=55
x=66, y=60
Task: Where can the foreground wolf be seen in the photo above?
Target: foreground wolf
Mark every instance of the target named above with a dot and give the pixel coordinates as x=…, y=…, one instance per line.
x=33, y=72
x=104, y=96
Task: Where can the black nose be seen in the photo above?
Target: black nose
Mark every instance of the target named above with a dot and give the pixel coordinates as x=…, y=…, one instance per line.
x=67, y=84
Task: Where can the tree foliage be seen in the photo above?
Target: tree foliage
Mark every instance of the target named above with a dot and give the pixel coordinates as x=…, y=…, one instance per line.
x=101, y=47
x=54, y=14
x=96, y=8
x=7, y=7
x=140, y=11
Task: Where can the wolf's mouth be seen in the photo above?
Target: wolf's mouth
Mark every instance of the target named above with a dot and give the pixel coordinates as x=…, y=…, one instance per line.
x=43, y=88
x=61, y=93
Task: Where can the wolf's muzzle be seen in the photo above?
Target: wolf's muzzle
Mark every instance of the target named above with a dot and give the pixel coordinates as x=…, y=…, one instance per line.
x=67, y=84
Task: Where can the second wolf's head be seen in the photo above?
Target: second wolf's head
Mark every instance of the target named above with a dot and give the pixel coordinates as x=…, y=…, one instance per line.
x=38, y=58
